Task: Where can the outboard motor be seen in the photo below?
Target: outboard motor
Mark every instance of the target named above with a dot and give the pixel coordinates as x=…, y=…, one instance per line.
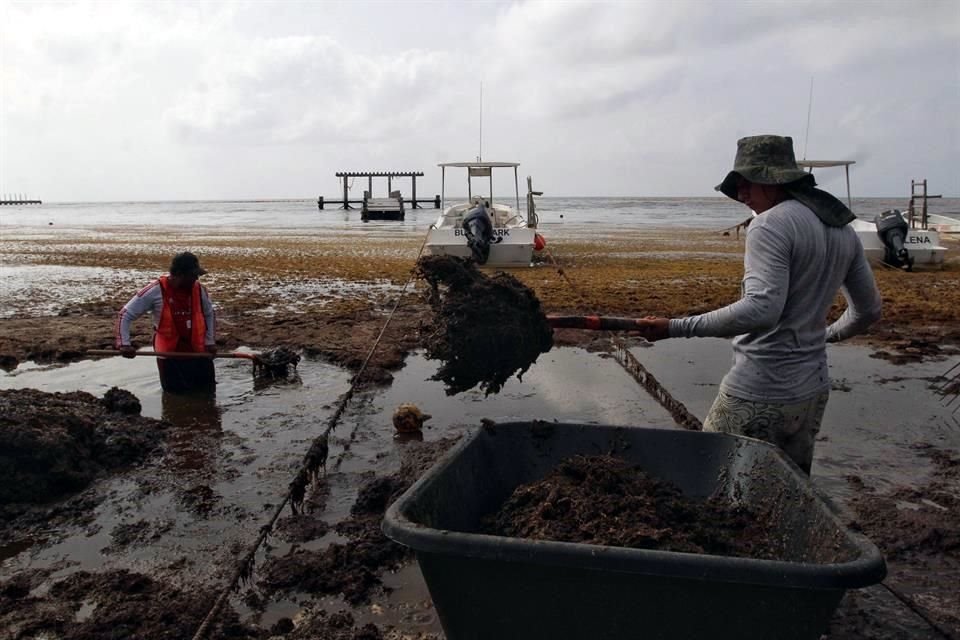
x=479, y=231
x=892, y=229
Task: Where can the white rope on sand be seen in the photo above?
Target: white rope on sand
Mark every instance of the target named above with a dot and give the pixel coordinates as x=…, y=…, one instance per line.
x=294, y=495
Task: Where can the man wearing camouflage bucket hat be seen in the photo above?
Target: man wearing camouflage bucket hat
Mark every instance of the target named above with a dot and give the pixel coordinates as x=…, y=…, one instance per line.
x=800, y=251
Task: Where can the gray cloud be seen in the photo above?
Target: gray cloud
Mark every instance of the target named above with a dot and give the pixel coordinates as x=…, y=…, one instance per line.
x=130, y=101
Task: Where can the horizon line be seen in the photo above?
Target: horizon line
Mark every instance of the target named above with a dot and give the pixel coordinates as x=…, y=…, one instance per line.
x=333, y=201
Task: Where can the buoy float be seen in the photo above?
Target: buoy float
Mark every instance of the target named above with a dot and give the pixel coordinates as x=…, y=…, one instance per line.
x=407, y=418
x=539, y=242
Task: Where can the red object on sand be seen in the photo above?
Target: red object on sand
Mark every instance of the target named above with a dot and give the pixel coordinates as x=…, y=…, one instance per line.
x=539, y=242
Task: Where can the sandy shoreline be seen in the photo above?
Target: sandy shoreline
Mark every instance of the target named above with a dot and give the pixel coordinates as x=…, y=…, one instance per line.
x=329, y=293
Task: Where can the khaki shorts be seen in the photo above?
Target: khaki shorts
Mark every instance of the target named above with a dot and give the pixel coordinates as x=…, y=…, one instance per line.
x=792, y=427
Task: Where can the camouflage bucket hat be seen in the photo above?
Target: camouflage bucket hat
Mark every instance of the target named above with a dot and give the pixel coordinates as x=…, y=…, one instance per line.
x=764, y=160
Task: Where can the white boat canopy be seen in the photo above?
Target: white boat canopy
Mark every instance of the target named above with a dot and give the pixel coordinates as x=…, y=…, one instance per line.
x=479, y=164
x=477, y=169
x=818, y=164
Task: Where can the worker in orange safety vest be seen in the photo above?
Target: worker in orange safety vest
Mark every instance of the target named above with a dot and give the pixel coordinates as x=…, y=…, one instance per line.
x=183, y=322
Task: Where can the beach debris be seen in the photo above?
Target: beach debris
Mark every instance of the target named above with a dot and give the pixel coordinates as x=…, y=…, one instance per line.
x=485, y=328
x=275, y=363
x=298, y=491
x=121, y=401
x=245, y=570
x=55, y=444
x=407, y=418
x=316, y=458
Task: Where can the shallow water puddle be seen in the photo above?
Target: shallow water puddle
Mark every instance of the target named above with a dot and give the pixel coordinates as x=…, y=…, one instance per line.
x=230, y=455
x=186, y=516
x=876, y=409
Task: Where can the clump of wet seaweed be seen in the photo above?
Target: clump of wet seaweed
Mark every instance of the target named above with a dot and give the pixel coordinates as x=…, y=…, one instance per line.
x=275, y=363
x=485, y=328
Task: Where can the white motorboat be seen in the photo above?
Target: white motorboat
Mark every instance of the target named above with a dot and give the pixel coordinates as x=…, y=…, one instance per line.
x=922, y=245
x=883, y=233
x=510, y=238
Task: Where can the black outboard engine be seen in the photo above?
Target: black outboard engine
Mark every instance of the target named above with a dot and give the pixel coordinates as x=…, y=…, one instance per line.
x=479, y=231
x=892, y=229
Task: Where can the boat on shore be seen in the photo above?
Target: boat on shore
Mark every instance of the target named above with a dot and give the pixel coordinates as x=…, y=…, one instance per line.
x=489, y=229
x=886, y=235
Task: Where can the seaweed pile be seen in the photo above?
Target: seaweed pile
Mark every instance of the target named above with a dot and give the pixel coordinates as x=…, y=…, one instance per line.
x=55, y=444
x=485, y=328
x=604, y=500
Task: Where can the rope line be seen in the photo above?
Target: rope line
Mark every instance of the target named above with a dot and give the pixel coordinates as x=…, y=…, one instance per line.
x=637, y=371
x=677, y=409
x=244, y=568
x=911, y=604
x=563, y=274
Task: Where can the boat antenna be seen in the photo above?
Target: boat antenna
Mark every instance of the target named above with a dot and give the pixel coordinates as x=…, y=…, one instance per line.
x=480, y=157
x=806, y=136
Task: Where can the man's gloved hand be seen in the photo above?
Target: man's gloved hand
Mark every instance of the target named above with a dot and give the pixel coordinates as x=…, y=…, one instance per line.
x=128, y=351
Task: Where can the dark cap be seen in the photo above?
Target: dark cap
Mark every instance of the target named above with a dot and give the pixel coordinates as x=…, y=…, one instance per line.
x=186, y=264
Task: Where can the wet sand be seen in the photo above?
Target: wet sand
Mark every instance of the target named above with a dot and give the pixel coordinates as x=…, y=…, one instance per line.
x=185, y=516
x=329, y=293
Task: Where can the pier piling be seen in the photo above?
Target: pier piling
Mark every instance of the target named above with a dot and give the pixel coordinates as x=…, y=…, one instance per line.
x=17, y=198
x=348, y=177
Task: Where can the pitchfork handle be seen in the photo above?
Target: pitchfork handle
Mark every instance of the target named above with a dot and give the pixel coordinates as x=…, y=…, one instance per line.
x=174, y=354
x=596, y=323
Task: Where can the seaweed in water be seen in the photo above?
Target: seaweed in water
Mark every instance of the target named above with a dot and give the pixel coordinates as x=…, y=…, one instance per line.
x=275, y=363
x=485, y=328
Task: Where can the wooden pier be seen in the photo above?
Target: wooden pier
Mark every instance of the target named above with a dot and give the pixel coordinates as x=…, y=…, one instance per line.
x=17, y=199
x=390, y=208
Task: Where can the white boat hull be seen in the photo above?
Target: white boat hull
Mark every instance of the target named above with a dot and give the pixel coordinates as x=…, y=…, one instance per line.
x=512, y=246
x=514, y=235
x=924, y=245
x=943, y=224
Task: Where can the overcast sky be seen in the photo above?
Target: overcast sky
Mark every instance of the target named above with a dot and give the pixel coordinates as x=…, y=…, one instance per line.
x=195, y=100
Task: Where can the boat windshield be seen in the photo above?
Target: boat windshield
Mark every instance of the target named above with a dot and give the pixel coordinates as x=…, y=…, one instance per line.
x=480, y=170
x=501, y=215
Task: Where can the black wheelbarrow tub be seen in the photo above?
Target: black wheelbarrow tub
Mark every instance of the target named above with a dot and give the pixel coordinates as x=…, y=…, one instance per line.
x=491, y=587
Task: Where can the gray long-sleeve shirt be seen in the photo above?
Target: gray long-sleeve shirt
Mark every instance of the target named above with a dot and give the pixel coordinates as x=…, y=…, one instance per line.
x=793, y=267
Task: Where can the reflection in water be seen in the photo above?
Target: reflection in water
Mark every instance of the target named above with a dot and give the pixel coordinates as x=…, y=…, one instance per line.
x=410, y=436
x=196, y=421
x=290, y=380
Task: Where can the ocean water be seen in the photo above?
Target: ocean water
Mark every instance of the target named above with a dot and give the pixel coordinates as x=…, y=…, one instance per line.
x=706, y=213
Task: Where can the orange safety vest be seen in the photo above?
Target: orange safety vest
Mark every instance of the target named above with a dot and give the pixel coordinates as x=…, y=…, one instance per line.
x=167, y=337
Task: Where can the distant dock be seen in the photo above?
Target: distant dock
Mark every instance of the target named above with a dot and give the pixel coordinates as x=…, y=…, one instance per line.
x=390, y=208
x=18, y=199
